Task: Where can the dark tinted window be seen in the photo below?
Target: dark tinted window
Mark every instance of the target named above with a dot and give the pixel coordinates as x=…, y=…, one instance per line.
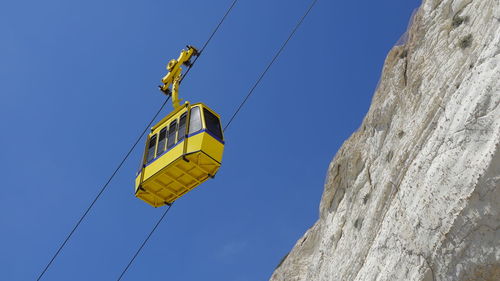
x=171, y=134
x=194, y=120
x=213, y=124
x=182, y=127
x=161, y=141
x=151, y=149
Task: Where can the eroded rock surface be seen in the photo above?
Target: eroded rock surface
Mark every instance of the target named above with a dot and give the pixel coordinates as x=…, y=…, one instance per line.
x=414, y=193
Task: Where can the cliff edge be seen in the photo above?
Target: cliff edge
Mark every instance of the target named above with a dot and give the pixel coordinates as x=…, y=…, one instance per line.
x=414, y=193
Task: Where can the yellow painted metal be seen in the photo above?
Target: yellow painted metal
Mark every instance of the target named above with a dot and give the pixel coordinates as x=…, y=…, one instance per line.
x=184, y=166
x=174, y=74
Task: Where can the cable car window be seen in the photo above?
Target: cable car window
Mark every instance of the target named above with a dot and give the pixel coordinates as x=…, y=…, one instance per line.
x=213, y=124
x=182, y=127
x=151, y=149
x=161, y=141
x=195, y=120
x=171, y=134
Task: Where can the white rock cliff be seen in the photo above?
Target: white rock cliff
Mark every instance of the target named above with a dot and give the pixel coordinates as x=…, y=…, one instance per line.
x=414, y=193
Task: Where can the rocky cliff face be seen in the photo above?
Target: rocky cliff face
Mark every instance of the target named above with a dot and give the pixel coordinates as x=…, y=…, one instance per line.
x=414, y=193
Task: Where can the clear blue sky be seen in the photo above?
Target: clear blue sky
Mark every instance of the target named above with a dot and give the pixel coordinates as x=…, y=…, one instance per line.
x=78, y=84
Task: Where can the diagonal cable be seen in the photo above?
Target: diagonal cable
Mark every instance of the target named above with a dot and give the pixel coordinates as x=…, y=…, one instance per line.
x=144, y=243
x=270, y=63
x=209, y=38
x=102, y=190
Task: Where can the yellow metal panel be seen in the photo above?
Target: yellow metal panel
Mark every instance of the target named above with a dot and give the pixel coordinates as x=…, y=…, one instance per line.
x=208, y=144
x=194, y=143
x=212, y=147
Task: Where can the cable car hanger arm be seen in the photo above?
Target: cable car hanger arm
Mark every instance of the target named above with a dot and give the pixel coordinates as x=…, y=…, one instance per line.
x=174, y=75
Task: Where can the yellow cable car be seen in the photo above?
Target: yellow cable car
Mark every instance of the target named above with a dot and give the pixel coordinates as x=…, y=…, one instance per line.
x=184, y=149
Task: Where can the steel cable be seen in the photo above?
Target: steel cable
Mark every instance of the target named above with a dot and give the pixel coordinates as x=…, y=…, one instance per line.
x=209, y=38
x=102, y=190
x=144, y=242
x=270, y=64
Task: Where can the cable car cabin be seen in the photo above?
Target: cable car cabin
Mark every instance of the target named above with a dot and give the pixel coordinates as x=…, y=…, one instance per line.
x=182, y=151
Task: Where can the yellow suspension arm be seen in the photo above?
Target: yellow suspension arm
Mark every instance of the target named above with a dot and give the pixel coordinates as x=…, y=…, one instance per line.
x=174, y=74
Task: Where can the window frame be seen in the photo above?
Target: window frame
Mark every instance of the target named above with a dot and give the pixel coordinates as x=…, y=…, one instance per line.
x=148, y=152
x=174, y=141
x=182, y=135
x=200, y=117
x=219, y=125
x=158, y=152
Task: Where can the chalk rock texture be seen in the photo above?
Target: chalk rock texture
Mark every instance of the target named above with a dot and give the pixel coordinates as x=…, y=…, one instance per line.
x=414, y=193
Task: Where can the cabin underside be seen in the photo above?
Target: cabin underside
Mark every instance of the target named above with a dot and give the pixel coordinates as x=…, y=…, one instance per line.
x=177, y=178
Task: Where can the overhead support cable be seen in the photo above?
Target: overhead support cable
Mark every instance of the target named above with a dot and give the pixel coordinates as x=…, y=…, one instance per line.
x=101, y=191
x=270, y=63
x=144, y=242
x=210, y=38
